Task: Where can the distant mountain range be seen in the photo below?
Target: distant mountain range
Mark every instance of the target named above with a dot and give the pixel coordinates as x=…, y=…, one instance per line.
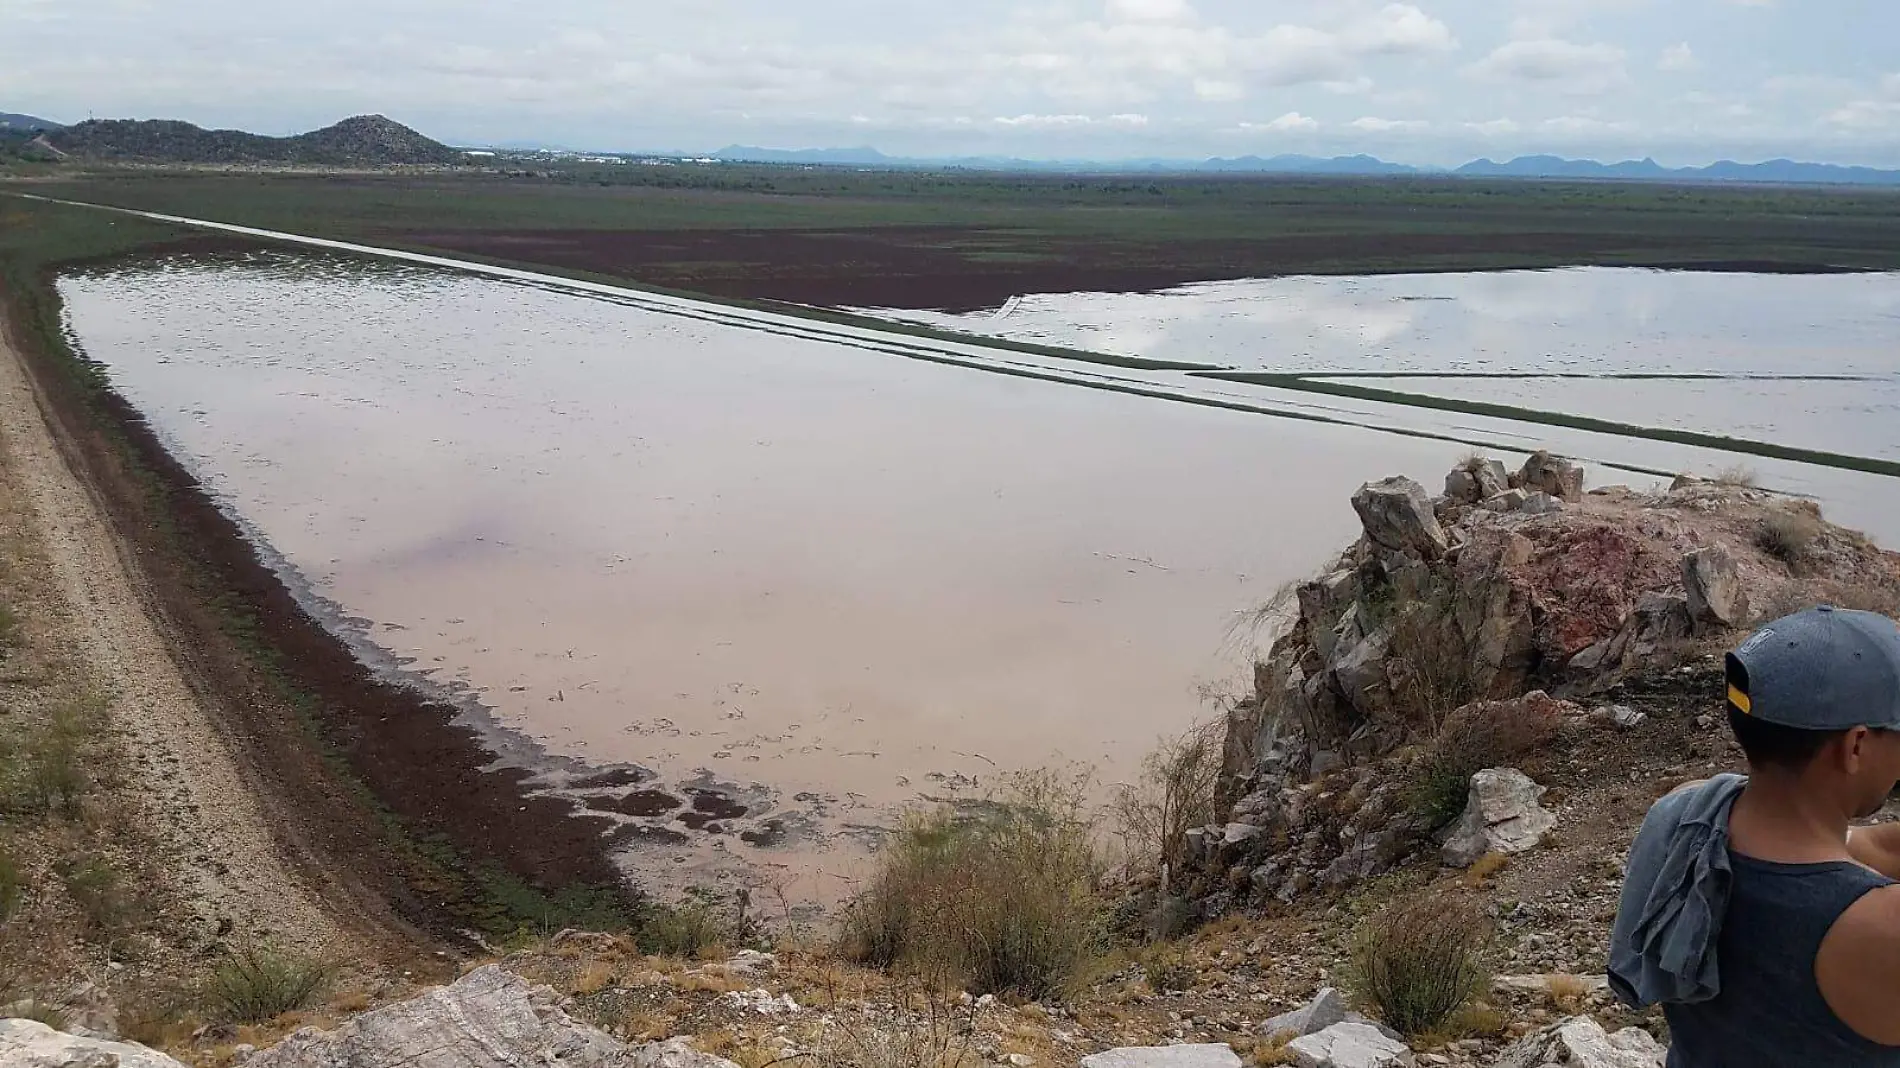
x=12, y=122
x=1780, y=170
x=366, y=140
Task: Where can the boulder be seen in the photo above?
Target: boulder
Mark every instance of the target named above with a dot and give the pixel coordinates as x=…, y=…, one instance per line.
x=1714, y=585
x=1397, y=514
x=1350, y=1045
x=487, y=1019
x=31, y=1044
x=1360, y=675
x=1492, y=478
x=1540, y=503
x=673, y=1053
x=1508, y=501
x=1327, y=1008
x=1502, y=816
x=1461, y=485
x=1581, y=1042
x=1658, y=621
x=1200, y=1056
x=1553, y=475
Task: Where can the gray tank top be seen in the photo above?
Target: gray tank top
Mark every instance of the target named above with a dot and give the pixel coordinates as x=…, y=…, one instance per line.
x=1771, y=1011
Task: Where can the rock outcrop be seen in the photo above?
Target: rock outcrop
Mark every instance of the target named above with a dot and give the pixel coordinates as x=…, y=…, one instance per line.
x=1485, y=594
x=31, y=1044
x=1327, y=1008
x=1503, y=816
x=489, y=1018
x=1581, y=1042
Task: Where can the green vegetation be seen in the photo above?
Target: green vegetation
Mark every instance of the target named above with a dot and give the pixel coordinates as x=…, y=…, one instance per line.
x=1417, y=964
x=1005, y=899
x=107, y=904
x=258, y=983
x=12, y=882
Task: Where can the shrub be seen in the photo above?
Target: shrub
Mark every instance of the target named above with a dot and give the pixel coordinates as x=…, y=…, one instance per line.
x=1433, y=665
x=1167, y=969
x=256, y=983
x=1417, y=964
x=104, y=901
x=1006, y=899
x=1178, y=790
x=1488, y=734
x=1788, y=536
x=920, y=1027
x=1739, y=476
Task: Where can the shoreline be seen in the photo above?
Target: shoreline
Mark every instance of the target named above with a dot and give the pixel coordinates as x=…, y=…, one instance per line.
x=378, y=780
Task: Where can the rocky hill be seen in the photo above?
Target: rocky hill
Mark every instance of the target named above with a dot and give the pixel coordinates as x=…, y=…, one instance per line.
x=366, y=140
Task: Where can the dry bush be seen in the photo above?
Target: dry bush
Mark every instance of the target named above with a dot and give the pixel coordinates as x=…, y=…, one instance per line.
x=1488, y=734
x=1008, y=899
x=1179, y=790
x=12, y=883
x=1268, y=1052
x=1788, y=537
x=1417, y=964
x=1434, y=666
x=594, y=978
x=1739, y=476
x=106, y=903
x=257, y=983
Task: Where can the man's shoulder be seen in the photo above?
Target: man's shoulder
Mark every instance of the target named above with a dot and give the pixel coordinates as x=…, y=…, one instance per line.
x=1858, y=969
x=1874, y=920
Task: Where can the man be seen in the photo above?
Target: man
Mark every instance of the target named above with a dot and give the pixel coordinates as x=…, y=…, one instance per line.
x=1768, y=932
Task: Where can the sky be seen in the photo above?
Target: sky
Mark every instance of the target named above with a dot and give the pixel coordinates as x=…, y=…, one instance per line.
x=1432, y=82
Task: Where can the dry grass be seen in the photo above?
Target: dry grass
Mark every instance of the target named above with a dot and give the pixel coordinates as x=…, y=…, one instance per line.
x=1267, y=1052
x=1739, y=476
x=1479, y=875
x=1568, y=994
x=1178, y=790
x=595, y=977
x=919, y=1024
x=1788, y=537
x=1488, y=734
x=1167, y=968
x=1475, y=1020
x=1007, y=900
x=1417, y=964
x=1877, y=594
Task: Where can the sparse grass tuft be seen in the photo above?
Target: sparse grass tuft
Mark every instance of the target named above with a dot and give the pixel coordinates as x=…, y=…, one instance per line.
x=1788, y=537
x=99, y=889
x=1487, y=868
x=1738, y=475
x=1006, y=899
x=1567, y=993
x=257, y=983
x=1269, y=1052
x=1417, y=964
x=594, y=978
x=1489, y=734
x=41, y=1012
x=922, y=1026
x=686, y=930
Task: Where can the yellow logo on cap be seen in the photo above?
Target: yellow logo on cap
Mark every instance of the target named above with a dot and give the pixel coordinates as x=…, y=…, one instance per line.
x=1740, y=700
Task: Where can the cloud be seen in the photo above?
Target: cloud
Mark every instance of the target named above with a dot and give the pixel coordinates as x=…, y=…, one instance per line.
x=1399, y=29
x=1150, y=10
x=1057, y=122
x=1678, y=57
x=1371, y=124
x=1579, y=67
x=1291, y=122
x=1573, y=125
x=1495, y=127
x=1866, y=115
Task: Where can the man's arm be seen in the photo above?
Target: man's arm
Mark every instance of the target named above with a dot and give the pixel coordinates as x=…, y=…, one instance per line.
x=1877, y=847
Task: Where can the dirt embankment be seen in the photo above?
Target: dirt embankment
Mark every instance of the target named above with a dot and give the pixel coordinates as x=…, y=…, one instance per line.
x=302, y=790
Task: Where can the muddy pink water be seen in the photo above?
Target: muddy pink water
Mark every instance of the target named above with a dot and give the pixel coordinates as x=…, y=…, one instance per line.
x=832, y=581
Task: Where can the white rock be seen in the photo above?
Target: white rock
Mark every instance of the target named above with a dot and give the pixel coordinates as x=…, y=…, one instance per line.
x=1020, y=1060
x=31, y=1044
x=1540, y=983
x=1350, y=1045
x=759, y=1001
x=1185, y=1056
x=752, y=962
x=487, y=1019
x=1540, y=503
x=674, y=1053
x=1502, y=816
x=1581, y=1042
x=1508, y=501
x=1714, y=586
x=1397, y=514
x=1326, y=1009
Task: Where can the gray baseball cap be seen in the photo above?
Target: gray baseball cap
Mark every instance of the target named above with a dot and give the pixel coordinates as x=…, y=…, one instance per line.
x=1826, y=669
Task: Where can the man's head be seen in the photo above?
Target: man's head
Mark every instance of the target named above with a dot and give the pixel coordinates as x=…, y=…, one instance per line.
x=1816, y=696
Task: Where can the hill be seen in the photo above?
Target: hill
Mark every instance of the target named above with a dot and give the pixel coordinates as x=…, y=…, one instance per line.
x=1779, y=170
x=366, y=140
x=11, y=122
